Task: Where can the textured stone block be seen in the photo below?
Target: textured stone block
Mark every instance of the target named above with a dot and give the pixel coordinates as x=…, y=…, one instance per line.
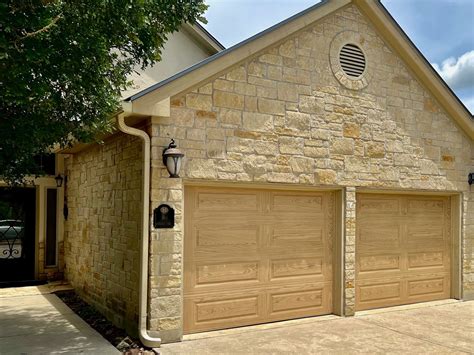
x=266, y=148
x=257, y=69
x=289, y=145
x=240, y=145
x=342, y=146
x=228, y=100
x=274, y=72
x=351, y=130
x=325, y=177
x=271, y=106
x=311, y=104
x=287, y=92
x=316, y=152
x=237, y=74
x=230, y=117
x=271, y=59
x=199, y=101
x=375, y=149
x=245, y=89
x=259, y=122
x=301, y=164
x=282, y=177
x=201, y=169
x=288, y=49
x=300, y=122
x=223, y=85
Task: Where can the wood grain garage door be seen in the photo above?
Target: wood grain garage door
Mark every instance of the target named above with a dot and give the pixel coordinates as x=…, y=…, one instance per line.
x=255, y=256
x=402, y=249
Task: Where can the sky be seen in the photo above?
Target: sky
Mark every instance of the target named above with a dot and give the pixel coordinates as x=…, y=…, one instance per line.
x=442, y=30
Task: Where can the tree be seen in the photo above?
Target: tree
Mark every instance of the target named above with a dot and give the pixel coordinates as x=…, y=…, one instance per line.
x=63, y=64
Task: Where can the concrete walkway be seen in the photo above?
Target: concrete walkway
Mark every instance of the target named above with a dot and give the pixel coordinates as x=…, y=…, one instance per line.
x=35, y=323
x=445, y=327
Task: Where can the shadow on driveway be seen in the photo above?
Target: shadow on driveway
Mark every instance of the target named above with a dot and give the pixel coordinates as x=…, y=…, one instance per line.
x=43, y=324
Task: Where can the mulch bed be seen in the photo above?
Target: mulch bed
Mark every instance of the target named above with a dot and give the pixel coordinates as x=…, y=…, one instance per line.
x=116, y=336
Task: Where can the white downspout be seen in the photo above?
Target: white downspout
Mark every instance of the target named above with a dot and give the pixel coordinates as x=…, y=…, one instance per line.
x=145, y=338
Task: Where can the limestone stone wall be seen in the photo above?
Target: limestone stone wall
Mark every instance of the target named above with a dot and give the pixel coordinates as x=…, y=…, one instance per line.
x=349, y=251
x=468, y=243
x=102, y=232
x=282, y=116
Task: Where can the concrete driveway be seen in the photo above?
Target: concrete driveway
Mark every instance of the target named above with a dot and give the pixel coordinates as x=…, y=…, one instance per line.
x=32, y=323
x=445, y=327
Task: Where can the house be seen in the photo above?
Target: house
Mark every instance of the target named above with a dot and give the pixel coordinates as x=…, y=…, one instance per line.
x=326, y=171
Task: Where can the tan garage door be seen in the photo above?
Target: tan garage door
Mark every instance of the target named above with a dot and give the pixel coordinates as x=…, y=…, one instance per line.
x=402, y=250
x=254, y=256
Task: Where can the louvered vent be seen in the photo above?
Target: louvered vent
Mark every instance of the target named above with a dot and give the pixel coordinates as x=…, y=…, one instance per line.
x=352, y=60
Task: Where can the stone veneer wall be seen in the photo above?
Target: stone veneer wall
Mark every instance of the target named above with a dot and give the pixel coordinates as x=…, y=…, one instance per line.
x=349, y=251
x=283, y=117
x=102, y=232
x=468, y=240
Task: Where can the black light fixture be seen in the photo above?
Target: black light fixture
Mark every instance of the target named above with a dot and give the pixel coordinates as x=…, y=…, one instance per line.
x=172, y=159
x=59, y=180
x=470, y=178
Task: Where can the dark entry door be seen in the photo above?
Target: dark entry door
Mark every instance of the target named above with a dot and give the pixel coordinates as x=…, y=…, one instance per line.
x=17, y=235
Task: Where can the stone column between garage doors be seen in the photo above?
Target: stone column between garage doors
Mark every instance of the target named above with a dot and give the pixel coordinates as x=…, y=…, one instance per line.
x=166, y=250
x=349, y=251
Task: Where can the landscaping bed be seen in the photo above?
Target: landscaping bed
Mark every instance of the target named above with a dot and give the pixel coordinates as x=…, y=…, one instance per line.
x=116, y=336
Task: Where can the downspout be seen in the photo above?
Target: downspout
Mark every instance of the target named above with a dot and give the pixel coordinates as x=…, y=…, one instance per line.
x=145, y=338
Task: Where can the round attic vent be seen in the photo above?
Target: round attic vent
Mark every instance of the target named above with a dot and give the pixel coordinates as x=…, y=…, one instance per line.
x=352, y=60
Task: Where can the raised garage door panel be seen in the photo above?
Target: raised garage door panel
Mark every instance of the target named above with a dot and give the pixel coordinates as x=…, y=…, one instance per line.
x=402, y=249
x=254, y=256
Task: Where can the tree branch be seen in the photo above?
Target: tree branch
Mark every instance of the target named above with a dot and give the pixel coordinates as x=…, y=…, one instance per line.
x=41, y=30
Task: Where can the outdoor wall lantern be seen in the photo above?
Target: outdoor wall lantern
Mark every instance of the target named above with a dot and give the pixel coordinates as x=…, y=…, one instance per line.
x=172, y=159
x=470, y=178
x=59, y=180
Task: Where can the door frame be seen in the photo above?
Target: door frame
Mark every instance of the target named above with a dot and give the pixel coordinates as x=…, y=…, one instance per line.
x=43, y=184
x=456, y=201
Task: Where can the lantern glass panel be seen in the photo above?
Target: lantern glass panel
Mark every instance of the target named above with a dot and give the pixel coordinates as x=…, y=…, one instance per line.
x=173, y=164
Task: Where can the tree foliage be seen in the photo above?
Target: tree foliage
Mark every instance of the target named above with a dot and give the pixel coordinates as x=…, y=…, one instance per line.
x=63, y=64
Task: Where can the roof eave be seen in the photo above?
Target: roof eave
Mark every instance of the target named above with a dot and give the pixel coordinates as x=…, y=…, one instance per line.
x=201, y=34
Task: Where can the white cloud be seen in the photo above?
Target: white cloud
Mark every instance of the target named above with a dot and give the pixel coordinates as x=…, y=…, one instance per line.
x=458, y=73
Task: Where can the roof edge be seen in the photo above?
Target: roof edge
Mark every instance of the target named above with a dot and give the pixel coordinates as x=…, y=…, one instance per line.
x=198, y=31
